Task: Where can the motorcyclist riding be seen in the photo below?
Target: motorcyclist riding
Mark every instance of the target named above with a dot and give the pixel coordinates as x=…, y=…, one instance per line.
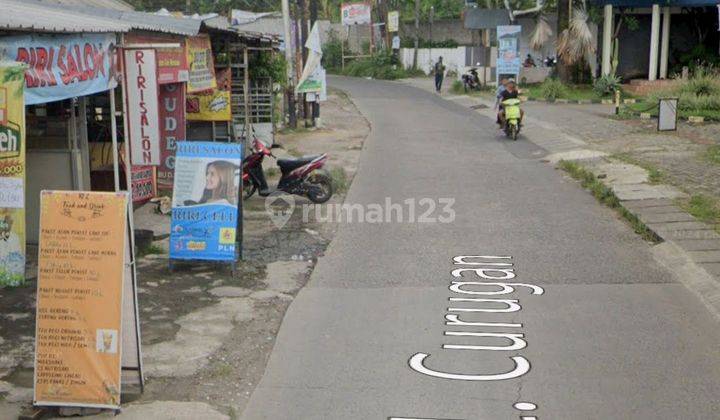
x=510, y=92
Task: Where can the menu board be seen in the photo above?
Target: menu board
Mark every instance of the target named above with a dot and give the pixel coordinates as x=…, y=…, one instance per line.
x=79, y=298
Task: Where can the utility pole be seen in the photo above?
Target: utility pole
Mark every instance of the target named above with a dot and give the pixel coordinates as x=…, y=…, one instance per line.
x=417, y=33
x=289, y=61
x=302, y=14
x=563, y=22
x=313, y=19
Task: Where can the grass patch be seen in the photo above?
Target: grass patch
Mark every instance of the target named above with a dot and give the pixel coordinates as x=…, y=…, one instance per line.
x=293, y=152
x=552, y=89
x=339, y=179
x=152, y=249
x=712, y=154
x=704, y=208
x=655, y=175
x=272, y=172
x=222, y=370
x=605, y=195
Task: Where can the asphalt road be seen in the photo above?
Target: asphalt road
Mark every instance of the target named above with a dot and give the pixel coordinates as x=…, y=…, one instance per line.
x=612, y=336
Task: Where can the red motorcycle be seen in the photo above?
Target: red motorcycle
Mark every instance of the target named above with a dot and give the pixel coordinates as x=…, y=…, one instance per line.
x=301, y=176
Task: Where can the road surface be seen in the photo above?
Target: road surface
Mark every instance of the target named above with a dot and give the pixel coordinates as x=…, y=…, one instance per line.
x=598, y=331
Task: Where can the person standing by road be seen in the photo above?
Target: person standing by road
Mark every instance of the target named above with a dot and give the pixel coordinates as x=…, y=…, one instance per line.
x=439, y=74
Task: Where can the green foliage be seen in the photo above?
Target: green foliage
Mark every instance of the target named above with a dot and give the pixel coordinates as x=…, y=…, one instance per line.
x=553, y=89
x=606, y=85
x=700, y=93
x=457, y=87
x=332, y=52
x=713, y=154
x=704, y=207
x=381, y=65
x=269, y=65
x=699, y=56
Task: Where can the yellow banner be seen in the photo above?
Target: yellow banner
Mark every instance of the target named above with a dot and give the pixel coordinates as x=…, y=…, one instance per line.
x=200, y=64
x=12, y=176
x=211, y=105
x=80, y=282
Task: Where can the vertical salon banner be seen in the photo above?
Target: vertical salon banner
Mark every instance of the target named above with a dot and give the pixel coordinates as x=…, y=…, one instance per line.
x=200, y=64
x=205, y=201
x=171, y=60
x=81, y=266
x=172, y=130
x=62, y=66
x=142, y=106
x=508, y=60
x=12, y=176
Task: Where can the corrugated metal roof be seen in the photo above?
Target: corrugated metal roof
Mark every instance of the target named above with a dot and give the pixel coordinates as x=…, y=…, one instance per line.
x=30, y=15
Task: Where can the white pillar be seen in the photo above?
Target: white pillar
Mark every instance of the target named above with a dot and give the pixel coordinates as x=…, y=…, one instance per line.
x=607, y=40
x=654, y=42
x=665, y=43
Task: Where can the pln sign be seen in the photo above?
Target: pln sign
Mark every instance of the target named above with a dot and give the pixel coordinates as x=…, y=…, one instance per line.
x=142, y=106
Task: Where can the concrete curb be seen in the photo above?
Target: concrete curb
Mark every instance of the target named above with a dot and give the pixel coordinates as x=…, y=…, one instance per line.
x=690, y=248
x=568, y=101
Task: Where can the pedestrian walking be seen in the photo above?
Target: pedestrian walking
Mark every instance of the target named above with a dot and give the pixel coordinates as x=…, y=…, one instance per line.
x=439, y=74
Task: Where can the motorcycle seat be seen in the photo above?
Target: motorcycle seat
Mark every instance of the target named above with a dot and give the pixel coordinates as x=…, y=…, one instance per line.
x=288, y=164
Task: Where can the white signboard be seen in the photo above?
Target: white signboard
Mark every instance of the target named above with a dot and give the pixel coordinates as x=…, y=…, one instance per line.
x=393, y=21
x=142, y=106
x=356, y=13
x=667, y=114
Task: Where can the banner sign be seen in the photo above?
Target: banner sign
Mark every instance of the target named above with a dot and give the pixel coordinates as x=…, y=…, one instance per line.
x=142, y=179
x=356, y=13
x=12, y=176
x=62, y=66
x=508, y=61
x=81, y=261
x=205, y=200
x=393, y=21
x=211, y=105
x=171, y=62
x=200, y=64
x=172, y=129
x=311, y=80
x=142, y=106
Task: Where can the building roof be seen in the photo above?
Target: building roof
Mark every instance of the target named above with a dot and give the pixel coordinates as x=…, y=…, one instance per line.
x=31, y=15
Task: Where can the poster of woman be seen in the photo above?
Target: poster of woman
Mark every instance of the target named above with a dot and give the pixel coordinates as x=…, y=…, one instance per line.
x=205, y=200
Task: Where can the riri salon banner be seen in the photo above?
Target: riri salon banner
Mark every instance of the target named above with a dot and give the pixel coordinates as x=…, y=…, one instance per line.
x=81, y=265
x=142, y=106
x=62, y=66
x=12, y=176
x=205, y=201
x=200, y=64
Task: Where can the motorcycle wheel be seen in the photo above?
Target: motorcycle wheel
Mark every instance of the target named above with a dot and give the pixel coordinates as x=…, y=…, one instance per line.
x=514, y=130
x=321, y=187
x=248, y=190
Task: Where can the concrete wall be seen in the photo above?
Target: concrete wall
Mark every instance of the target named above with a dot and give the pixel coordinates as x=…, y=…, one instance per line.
x=453, y=58
x=441, y=30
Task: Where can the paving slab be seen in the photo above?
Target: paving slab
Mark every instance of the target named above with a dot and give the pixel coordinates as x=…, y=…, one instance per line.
x=656, y=210
x=645, y=191
x=676, y=235
x=705, y=256
x=677, y=226
x=678, y=216
x=699, y=244
x=621, y=173
x=652, y=202
x=712, y=268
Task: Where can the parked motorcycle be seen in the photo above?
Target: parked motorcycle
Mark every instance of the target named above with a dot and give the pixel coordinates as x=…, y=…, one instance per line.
x=302, y=176
x=512, y=118
x=471, y=80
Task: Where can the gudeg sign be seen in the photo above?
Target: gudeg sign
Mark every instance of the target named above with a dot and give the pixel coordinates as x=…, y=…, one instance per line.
x=142, y=106
x=62, y=66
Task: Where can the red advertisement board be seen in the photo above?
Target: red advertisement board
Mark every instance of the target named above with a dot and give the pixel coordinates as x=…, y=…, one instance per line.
x=143, y=183
x=172, y=130
x=171, y=62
